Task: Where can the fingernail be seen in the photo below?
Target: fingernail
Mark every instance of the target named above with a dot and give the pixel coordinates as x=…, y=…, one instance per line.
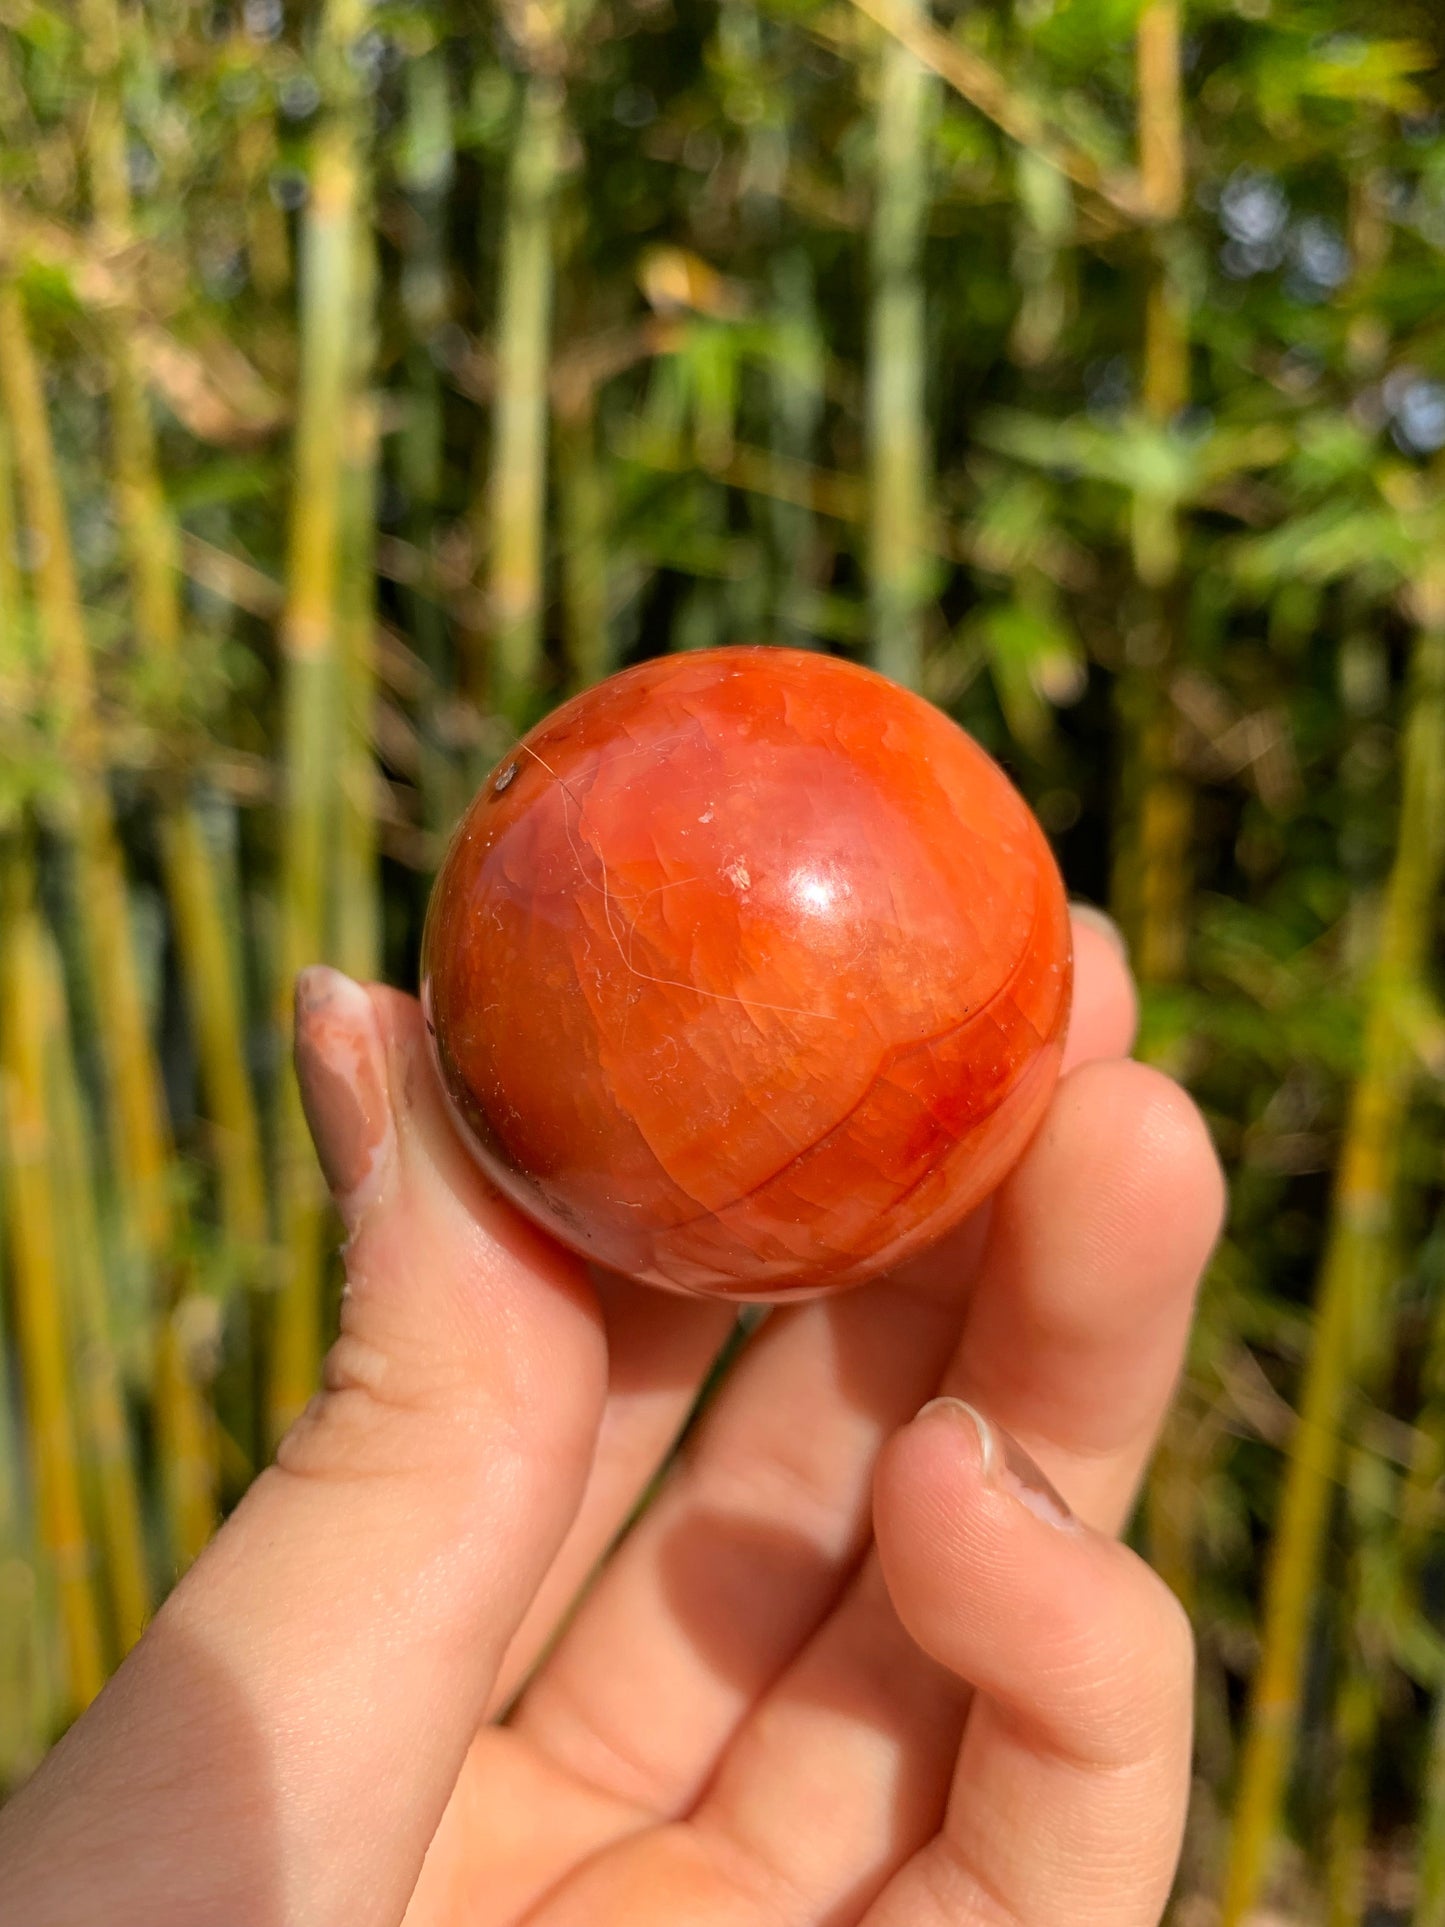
x=1007, y=1466
x=1100, y=920
x=341, y=1072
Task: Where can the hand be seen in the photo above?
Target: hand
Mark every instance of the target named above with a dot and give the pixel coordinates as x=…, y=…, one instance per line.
x=852, y=1666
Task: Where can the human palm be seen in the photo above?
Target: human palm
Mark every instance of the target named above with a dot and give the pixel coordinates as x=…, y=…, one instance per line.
x=850, y=1665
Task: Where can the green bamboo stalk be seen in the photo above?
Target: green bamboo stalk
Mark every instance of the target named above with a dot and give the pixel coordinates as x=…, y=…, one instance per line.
x=1154, y=819
x=99, y=1401
x=582, y=529
x=516, y=501
x=1044, y=234
x=1020, y=118
x=39, y=1295
x=1354, y=1271
x=196, y=896
x=310, y=647
x=795, y=369
x=795, y=380
x=28, y=1700
x=428, y=162
x=153, y=554
x=25, y=1713
x=897, y=435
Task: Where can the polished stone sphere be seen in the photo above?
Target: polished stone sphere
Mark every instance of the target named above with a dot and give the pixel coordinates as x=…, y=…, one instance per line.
x=747, y=973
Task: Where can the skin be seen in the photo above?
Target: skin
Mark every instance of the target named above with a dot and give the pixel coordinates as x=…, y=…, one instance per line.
x=874, y=1657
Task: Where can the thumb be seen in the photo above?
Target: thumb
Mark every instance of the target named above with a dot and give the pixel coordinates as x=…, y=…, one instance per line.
x=282, y=1743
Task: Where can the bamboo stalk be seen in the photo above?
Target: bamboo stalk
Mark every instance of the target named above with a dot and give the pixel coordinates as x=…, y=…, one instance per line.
x=25, y=1715
x=24, y=1709
x=1378, y=1532
x=28, y=1701
x=357, y=933
x=310, y=649
x=897, y=437
x=153, y=555
x=795, y=422
x=39, y=1295
x=582, y=529
x=1419, y=1505
x=196, y=896
x=1151, y=884
x=975, y=80
x=99, y=1401
x=1354, y=1271
x=428, y=165
x=1429, y=1910
x=12, y=598
x=516, y=501
x=138, y=1132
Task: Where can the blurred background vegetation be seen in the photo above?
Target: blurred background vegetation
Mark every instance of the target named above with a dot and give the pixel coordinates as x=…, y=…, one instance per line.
x=371, y=375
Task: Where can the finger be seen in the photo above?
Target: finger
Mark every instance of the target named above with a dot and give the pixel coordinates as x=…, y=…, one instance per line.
x=660, y=1349
x=1069, y=1797
x=836, y=1777
x=1076, y=1332
x=332, y=1652
x=1104, y=1012
x=735, y=1564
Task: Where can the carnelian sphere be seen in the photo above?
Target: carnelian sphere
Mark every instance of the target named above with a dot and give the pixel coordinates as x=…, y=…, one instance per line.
x=747, y=973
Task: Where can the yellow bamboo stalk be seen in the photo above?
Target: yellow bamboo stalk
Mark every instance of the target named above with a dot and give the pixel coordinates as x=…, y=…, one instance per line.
x=516, y=502
x=310, y=653
x=897, y=436
x=12, y=601
x=99, y=1400
x=138, y=1132
x=1354, y=1270
x=24, y=1698
x=1161, y=109
x=38, y=1290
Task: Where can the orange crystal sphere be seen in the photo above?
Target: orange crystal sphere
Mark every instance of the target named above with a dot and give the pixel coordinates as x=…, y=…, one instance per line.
x=747, y=973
